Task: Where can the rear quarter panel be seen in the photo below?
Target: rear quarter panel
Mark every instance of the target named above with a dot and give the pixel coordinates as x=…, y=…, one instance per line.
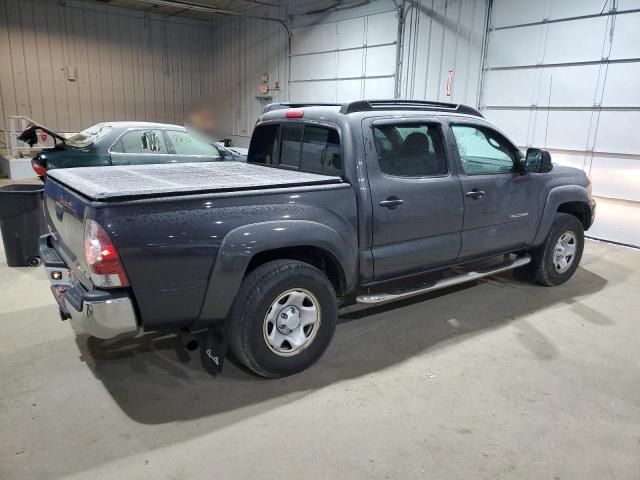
x=169, y=245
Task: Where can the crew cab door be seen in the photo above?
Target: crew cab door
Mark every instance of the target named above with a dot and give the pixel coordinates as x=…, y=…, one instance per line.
x=500, y=203
x=417, y=206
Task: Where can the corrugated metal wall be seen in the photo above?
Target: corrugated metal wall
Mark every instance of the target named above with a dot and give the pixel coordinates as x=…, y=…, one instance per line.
x=439, y=36
x=349, y=54
x=71, y=64
x=243, y=50
x=564, y=74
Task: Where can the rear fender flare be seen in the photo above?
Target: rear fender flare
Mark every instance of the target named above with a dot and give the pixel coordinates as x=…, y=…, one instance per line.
x=243, y=243
x=556, y=197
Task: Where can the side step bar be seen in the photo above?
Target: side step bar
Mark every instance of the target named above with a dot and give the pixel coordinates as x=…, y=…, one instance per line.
x=444, y=283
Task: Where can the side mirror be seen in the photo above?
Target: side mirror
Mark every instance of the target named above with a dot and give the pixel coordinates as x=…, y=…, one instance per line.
x=538, y=161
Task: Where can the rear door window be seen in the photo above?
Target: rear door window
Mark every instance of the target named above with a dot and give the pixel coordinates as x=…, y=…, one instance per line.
x=410, y=150
x=141, y=141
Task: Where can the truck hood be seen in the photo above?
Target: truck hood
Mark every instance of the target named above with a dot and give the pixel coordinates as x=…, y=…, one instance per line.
x=570, y=175
x=134, y=181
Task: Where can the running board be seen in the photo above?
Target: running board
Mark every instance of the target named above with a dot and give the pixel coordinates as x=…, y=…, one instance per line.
x=444, y=283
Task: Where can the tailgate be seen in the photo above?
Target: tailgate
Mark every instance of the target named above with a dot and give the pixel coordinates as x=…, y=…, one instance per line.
x=64, y=215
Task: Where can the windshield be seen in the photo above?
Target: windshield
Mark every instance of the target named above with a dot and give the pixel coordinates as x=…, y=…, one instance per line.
x=89, y=136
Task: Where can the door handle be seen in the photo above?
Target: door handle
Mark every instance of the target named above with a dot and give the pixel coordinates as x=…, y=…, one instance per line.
x=391, y=203
x=475, y=194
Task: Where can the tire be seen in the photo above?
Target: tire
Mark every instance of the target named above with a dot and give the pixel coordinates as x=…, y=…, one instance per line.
x=543, y=268
x=34, y=261
x=266, y=294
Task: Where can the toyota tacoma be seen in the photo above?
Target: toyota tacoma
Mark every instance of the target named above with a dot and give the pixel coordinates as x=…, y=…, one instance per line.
x=365, y=202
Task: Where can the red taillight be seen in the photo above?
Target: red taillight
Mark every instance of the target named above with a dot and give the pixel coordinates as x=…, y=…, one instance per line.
x=39, y=169
x=102, y=257
x=294, y=114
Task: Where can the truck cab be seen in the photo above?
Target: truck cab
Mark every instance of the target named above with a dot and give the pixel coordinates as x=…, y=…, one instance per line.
x=464, y=188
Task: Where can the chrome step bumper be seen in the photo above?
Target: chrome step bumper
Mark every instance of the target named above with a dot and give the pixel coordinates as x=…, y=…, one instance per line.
x=100, y=313
x=444, y=283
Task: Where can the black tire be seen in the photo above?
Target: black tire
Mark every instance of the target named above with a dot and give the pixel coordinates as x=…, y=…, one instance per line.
x=259, y=290
x=542, y=268
x=34, y=261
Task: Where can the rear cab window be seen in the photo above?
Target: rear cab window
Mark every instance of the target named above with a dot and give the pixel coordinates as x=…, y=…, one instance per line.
x=303, y=147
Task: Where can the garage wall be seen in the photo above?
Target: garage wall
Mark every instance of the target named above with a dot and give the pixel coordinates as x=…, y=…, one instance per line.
x=344, y=55
x=564, y=74
x=71, y=64
x=442, y=36
x=243, y=50
x=352, y=53
x=74, y=63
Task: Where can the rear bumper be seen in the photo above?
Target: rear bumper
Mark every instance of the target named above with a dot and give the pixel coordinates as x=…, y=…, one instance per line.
x=100, y=313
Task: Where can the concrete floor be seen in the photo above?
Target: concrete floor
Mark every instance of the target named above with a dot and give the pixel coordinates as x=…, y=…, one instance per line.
x=497, y=379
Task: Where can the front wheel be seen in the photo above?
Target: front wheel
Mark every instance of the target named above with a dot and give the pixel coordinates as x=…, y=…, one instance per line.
x=283, y=318
x=557, y=259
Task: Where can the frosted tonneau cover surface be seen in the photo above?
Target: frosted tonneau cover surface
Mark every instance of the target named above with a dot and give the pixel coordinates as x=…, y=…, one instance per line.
x=104, y=183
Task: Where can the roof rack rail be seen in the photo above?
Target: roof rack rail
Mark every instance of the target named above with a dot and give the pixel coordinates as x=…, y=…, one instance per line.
x=281, y=106
x=371, y=105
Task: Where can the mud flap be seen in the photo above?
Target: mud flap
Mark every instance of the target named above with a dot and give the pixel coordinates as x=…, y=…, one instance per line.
x=215, y=348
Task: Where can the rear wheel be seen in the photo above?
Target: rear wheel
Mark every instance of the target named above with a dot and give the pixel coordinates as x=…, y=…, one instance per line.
x=557, y=259
x=283, y=318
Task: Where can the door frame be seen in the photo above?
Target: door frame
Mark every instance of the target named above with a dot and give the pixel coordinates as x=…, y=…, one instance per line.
x=370, y=159
x=464, y=177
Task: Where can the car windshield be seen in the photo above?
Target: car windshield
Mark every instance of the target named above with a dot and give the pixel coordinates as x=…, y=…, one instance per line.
x=89, y=136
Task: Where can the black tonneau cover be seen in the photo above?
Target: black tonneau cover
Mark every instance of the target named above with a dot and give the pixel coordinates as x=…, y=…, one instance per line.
x=120, y=182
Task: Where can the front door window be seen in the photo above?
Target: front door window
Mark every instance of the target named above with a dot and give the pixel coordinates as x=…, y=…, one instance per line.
x=483, y=151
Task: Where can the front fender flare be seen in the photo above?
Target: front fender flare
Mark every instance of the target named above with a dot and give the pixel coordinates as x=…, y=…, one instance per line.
x=243, y=243
x=555, y=198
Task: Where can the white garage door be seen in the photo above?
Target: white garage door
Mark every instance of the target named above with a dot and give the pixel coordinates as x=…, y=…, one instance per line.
x=565, y=75
x=345, y=56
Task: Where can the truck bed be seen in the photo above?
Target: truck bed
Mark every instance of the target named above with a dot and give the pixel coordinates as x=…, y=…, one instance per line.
x=121, y=182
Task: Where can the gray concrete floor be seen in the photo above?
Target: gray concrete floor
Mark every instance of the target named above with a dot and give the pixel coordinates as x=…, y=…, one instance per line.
x=497, y=379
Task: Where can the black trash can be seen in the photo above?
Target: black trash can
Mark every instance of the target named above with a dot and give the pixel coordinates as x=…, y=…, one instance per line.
x=22, y=223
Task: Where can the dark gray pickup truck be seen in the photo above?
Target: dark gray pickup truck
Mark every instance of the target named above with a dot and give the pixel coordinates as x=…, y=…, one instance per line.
x=365, y=202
